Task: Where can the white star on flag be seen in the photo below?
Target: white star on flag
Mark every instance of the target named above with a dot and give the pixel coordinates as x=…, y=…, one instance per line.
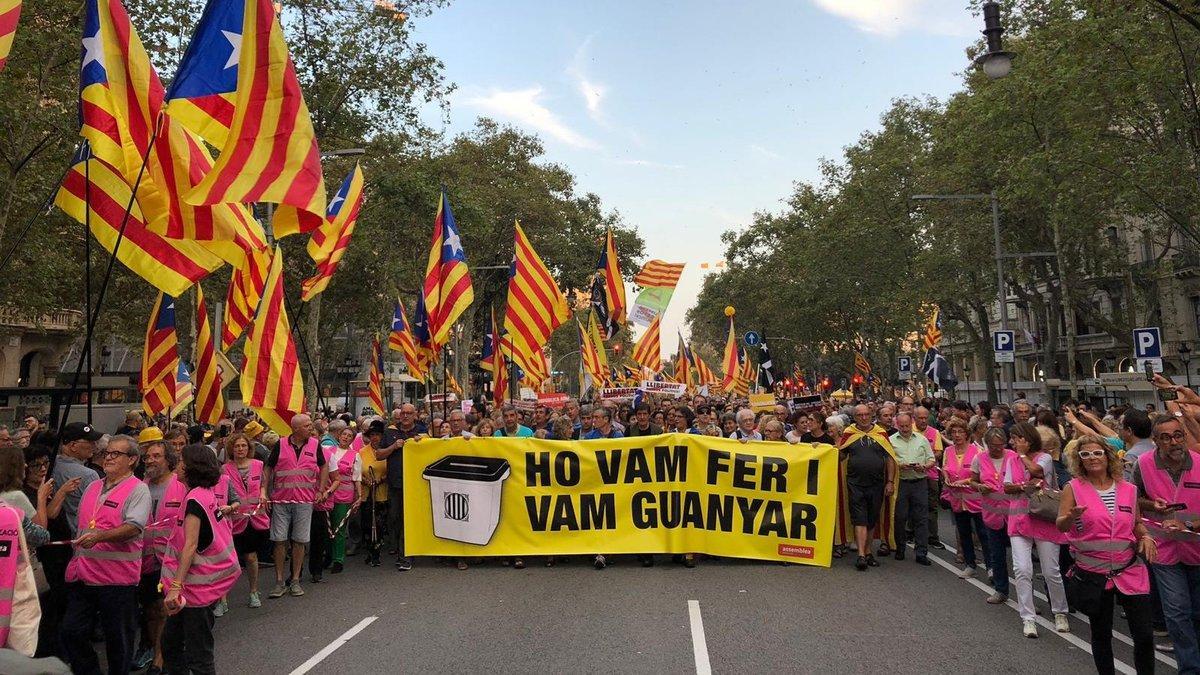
x=235, y=41
x=93, y=50
x=336, y=203
x=455, y=243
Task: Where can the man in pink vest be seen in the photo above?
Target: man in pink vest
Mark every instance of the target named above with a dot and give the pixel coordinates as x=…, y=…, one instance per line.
x=297, y=475
x=1168, y=484
x=102, y=578
x=167, y=494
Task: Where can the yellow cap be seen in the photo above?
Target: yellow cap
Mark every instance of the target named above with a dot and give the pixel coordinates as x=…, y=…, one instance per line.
x=253, y=429
x=150, y=434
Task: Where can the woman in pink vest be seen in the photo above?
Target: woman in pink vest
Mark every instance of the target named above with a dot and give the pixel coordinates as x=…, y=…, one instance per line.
x=346, y=496
x=1025, y=532
x=199, y=567
x=227, y=504
x=964, y=501
x=988, y=470
x=1099, y=514
x=251, y=524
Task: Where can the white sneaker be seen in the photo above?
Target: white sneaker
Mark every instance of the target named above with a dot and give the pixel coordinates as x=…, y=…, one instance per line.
x=1029, y=628
x=966, y=573
x=1061, y=624
x=221, y=608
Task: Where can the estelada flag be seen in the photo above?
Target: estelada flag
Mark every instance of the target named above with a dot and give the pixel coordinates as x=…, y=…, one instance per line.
x=401, y=339
x=375, y=380
x=160, y=358
x=237, y=87
x=608, y=289
x=271, y=381
x=491, y=345
x=245, y=290
x=933, y=330
x=861, y=364
x=535, y=304
x=328, y=243
x=210, y=404
x=884, y=530
x=10, y=15
x=447, y=289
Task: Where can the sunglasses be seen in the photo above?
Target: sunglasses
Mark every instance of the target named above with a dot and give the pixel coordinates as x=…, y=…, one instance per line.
x=1091, y=454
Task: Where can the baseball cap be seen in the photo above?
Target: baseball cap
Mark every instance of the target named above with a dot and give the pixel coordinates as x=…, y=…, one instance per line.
x=80, y=431
x=376, y=427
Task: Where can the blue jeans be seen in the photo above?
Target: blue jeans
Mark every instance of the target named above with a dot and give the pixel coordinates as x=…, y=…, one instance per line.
x=997, y=558
x=1179, y=589
x=965, y=521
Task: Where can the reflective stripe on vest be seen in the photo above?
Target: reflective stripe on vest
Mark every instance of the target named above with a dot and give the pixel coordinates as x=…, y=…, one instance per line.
x=1159, y=485
x=106, y=563
x=214, y=570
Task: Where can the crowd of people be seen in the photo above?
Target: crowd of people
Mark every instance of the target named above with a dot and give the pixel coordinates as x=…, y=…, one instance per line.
x=138, y=537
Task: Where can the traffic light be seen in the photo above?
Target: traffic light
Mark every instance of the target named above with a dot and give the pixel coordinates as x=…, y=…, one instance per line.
x=856, y=380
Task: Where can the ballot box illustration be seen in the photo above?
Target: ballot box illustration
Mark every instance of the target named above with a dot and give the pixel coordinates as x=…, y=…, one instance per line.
x=466, y=492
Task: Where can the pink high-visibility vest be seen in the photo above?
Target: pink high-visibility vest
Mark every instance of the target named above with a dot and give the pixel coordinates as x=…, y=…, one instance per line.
x=249, y=493
x=935, y=444
x=1106, y=542
x=11, y=557
x=295, y=478
x=107, y=563
x=215, y=569
x=961, y=499
x=223, y=491
x=996, y=506
x=162, y=520
x=1159, y=485
x=345, y=492
x=1020, y=522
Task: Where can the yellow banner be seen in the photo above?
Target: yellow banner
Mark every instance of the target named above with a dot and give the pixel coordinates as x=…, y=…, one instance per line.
x=674, y=493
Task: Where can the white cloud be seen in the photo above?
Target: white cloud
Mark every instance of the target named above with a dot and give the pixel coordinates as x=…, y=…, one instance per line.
x=524, y=107
x=760, y=150
x=593, y=92
x=891, y=17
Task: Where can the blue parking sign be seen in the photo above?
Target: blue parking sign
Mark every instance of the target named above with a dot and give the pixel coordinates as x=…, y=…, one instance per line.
x=1147, y=348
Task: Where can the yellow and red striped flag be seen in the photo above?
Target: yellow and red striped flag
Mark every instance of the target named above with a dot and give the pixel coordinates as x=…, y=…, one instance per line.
x=447, y=288
x=683, y=364
x=375, y=380
x=10, y=15
x=590, y=358
x=210, y=403
x=595, y=332
x=271, y=381
x=170, y=265
x=861, y=364
x=704, y=374
x=492, y=344
x=184, y=392
x=608, y=289
x=246, y=286
x=745, y=374
x=328, y=243
x=933, y=331
x=647, y=350
x=268, y=150
x=729, y=361
x=535, y=305
x=659, y=274
x=400, y=339
x=500, y=375
x=160, y=357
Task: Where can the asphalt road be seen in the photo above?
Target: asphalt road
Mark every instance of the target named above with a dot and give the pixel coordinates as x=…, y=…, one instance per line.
x=756, y=617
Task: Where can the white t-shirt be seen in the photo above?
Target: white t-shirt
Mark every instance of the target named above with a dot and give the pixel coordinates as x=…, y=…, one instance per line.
x=1043, y=461
x=336, y=456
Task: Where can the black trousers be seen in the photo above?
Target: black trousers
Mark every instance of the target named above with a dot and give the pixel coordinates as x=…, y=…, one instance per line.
x=1141, y=629
x=374, y=524
x=188, y=642
x=117, y=610
x=318, y=543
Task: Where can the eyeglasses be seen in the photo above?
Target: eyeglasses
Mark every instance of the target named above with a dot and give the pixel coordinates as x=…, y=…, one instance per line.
x=1091, y=454
x=1177, y=436
x=113, y=454
x=39, y=464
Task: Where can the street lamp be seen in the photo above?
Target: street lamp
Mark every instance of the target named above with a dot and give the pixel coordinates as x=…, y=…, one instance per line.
x=996, y=62
x=348, y=369
x=1185, y=355
x=966, y=370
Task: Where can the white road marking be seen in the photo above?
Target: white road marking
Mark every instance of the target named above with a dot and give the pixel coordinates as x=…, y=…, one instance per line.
x=1083, y=617
x=699, y=644
x=333, y=646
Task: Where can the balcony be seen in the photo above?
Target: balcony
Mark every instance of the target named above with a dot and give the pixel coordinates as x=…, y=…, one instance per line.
x=1185, y=262
x=58, y=321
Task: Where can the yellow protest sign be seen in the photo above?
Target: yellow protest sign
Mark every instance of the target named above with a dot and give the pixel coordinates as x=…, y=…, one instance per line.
x=673, y=493
x=762, y=402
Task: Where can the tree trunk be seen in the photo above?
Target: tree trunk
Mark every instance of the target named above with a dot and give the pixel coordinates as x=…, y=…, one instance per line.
x=1068, y=312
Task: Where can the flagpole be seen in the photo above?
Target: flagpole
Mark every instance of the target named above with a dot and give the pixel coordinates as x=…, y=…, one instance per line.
x=87, y=266
x=112, y=260
x=304, y=348
x=445, y=383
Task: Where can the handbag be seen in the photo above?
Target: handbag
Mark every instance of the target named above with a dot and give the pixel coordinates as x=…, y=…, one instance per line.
x=1085, y=590
x=1043, y=504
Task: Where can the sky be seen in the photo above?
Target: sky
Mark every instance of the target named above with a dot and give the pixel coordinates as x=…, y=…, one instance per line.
x=689, y=117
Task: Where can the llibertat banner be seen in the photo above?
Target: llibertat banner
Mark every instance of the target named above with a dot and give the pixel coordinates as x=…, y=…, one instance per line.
x=673, y=493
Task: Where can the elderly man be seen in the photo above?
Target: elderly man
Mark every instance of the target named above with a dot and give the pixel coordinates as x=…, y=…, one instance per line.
x=887, y=415
x=298, y=477
x=602, y=425
x=870, y=480
x=103, y=576
x=405, y=429
x=167, y=496
x=906, y=404
x=938, y=445
x=1165, y=478
x=912, y=506
x=747, y=429
x=458, y=424
x=1022, y=411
